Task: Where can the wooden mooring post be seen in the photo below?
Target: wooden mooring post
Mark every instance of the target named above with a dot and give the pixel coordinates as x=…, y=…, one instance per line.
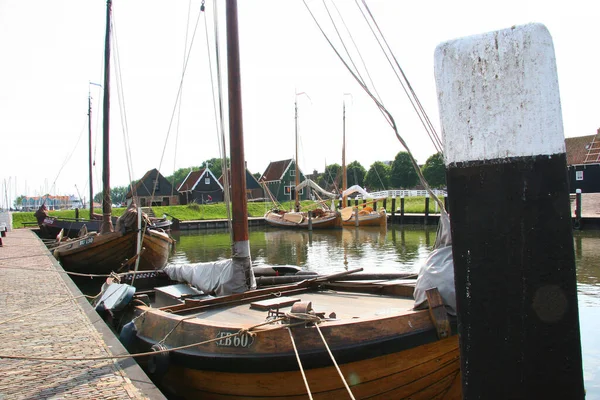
x=512, y=239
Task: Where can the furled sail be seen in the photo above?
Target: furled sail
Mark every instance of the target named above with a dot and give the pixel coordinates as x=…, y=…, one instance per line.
x=316, y=187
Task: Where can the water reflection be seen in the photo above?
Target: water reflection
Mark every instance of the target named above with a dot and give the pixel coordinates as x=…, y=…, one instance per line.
x=375, y=249
x=587, y=257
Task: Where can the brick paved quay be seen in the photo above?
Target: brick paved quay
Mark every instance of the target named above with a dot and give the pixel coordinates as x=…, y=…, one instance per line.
x=29, y=281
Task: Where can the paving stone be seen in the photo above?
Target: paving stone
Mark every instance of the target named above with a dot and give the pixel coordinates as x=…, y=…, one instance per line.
x=29, y=281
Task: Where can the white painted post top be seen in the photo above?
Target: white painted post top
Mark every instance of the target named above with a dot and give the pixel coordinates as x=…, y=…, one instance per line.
x=498, y=95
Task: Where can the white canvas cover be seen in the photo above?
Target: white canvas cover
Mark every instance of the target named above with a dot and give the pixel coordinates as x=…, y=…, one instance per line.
x=438, y=270
x=356, y=188
x=220, y=278
x=316, y=187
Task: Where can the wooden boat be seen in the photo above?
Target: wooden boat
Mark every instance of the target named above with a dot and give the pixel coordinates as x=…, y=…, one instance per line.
x=366, y=216
x=250, y=342
x=101, y=254
x=353, y=216
x=107, y=250
x=261, y=343
x=317, y=219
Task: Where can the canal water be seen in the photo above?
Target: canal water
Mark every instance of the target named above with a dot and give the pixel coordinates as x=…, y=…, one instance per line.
x=395, y=249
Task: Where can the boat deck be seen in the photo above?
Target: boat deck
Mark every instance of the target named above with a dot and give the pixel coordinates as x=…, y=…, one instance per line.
x=345, y=305
x=30, y=280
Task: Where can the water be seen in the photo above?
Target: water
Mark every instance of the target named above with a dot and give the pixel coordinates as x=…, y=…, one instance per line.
x=393, y=250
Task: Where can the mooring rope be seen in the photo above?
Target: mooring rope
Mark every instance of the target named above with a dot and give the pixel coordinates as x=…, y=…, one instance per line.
x=335, y=363
x=150, y=353
x=300, y=364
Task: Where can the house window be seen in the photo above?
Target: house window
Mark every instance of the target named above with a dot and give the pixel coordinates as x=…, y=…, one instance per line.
x=293, y=172
x=207, y=181
x=287, y=189
x=156, y=185
x=579, y=175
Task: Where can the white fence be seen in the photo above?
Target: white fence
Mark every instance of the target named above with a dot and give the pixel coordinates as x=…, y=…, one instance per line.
x=405, y=193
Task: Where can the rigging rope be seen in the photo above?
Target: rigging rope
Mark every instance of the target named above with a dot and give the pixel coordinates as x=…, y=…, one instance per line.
x=385, y=112
x=220, y=121
x=185, y=46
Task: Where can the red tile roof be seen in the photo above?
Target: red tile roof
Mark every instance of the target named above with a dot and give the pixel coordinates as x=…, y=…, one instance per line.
x=190, y=181
x=275, y=170
x=577, y=148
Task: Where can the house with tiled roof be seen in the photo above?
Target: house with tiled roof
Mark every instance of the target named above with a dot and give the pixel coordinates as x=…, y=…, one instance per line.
x=583, y=163
x=152, y=190
x=280, y=178
x=200, y=187
x=254, y=190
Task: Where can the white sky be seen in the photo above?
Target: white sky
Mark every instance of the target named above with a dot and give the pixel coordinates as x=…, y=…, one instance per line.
x=51, y=50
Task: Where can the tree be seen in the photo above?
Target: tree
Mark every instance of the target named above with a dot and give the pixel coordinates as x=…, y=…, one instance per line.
x=434, y=171
x=355, y=173
x=332, y=177
x=214, y=165
x=19, y=201
x=403, y=174
x=377, y=177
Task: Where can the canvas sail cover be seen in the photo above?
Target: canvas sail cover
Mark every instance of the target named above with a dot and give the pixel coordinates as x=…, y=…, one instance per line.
x=316, y=187
x=354, y=189
x=438, y=270
x=221, y=278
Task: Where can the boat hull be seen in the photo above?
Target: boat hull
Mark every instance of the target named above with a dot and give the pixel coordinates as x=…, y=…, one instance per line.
x=371, y=219
x=392, y=356
x=327, y=222
x=102, y=254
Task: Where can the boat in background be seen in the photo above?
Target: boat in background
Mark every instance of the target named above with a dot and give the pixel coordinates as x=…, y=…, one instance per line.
x=111, y=250
x=353, y=216
x=321, y=217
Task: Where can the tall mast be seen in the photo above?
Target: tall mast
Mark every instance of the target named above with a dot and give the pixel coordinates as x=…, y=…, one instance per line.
x=297, y=171
x=90, y=154
x=344, y=174
x=106, y=202
x=241, y=246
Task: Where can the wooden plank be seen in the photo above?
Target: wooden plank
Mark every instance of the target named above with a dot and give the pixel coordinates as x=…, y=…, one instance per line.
x=277, y=302
x=437, y=311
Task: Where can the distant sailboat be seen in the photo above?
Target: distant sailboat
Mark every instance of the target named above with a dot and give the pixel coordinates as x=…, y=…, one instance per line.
x=107, y=250
x=319, y=218
x=353, y=216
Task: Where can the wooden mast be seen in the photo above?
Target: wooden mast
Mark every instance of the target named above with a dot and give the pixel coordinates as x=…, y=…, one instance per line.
x=240, y=246
x=106, y=202
x=90, y=154
x=297, y=171
x=344, y=174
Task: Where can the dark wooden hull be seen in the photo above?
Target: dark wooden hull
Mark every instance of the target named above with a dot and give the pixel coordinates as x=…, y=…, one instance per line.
x=392, y=356
x=327, y=222
x=51, y=227
x=102, y=254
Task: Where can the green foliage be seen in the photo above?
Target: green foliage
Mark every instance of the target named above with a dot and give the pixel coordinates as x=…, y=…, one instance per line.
x=377, y=177
x=355, y=174
x=434, y=171
x=215, y=166
x=19, y=200
x=403, y=174
x=332, y=176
